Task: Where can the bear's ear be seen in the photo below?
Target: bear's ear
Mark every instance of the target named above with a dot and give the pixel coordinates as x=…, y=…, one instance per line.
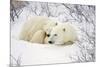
x=64, y=29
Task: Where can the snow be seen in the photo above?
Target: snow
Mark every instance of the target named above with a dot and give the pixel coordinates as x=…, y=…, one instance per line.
x=33, y=53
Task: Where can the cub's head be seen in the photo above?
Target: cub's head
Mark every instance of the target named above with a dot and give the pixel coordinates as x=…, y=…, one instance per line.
x=56, y=36
x=62, y=34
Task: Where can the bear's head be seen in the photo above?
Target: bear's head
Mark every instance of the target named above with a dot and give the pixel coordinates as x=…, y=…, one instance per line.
x=62, y=34
x=56, y=36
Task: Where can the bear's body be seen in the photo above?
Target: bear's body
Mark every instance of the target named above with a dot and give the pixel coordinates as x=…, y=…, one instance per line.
x=31, y=26
x=63, y=33
x=46, y=40
x=35, y=24
x=38, y=37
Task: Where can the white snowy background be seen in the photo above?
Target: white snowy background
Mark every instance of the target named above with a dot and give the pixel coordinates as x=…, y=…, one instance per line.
x=26, y=53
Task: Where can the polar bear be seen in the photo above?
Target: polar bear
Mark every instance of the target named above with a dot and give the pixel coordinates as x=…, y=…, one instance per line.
x=63, y=33
x=34, y=24
x=38, y=37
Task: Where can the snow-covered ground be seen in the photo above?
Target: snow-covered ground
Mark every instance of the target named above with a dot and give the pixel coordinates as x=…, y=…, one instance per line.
x=81, y=16
x=33, y=53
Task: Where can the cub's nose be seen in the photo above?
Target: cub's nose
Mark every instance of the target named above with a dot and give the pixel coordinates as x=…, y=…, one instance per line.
x=50, y=42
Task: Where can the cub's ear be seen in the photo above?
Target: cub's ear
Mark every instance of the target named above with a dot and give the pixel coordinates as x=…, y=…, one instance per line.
x=64, y=29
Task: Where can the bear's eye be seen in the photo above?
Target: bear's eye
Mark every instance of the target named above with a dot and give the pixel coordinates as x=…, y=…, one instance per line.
x=55, y=34
x=64, y=30
x=48, y=35
x=56, y=24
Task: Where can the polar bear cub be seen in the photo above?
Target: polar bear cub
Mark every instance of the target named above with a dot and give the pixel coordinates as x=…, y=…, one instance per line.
x=63, y=33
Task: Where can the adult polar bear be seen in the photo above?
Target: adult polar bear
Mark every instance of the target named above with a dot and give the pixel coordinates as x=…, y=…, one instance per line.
x=63, y=33
x=35, y=28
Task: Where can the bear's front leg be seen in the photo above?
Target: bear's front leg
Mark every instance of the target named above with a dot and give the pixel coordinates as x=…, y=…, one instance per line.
x=38, y=37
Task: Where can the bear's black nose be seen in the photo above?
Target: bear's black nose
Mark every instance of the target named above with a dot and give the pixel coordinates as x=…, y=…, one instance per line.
x=50, y=42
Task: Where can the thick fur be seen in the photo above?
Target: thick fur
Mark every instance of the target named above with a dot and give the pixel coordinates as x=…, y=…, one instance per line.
x=35, y=24
x=64, y=33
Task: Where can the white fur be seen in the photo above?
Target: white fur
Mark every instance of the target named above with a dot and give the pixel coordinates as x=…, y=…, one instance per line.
x=38, y=37
x=34, y=24
x=62, y=37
